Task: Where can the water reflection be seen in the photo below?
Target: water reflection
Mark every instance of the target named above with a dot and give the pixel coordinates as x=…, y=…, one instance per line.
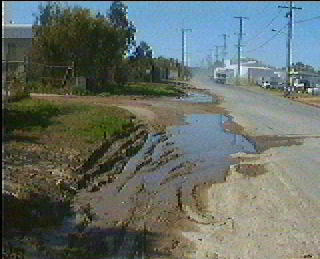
x=202, y=141
x=204, y=138
x=197, y=98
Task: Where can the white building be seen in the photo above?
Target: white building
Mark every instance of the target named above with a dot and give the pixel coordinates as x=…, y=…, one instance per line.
x=250, y=70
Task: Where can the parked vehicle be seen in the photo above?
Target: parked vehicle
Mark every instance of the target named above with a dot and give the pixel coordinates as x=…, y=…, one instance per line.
x=281, y=86
x=221, y=78
x=266, y=85
x=273, y=85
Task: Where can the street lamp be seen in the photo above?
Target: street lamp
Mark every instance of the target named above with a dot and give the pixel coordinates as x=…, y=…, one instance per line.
x=279, y=31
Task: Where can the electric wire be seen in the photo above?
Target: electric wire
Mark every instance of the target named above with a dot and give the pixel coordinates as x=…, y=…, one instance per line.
x=260, y=33
x=307, y=20
x=266, y=42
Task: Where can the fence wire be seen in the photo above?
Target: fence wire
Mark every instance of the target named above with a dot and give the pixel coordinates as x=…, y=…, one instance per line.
x=37, y=76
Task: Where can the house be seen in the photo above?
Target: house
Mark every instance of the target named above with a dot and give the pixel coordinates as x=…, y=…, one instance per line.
x=16, y=43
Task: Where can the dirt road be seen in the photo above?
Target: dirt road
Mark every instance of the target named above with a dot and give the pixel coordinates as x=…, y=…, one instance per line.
x=173, y=199
x=275, y=214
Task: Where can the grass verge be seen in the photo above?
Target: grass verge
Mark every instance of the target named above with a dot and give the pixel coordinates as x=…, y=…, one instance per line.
x=139, y=89
x=145, y=89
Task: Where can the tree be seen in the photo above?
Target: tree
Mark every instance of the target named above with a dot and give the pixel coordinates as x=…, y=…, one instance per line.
x=302, y=67
x=48, y=13
x=142, y=51
x=99, y=15
x=76, y=36
x=118, y=16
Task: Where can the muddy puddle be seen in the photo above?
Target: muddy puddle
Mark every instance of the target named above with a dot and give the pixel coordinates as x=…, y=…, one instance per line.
x=197, y=98
x=202, y=145
x=154, y=186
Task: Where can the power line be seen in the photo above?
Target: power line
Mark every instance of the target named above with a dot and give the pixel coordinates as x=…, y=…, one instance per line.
x=258, y=34
x=310, y=19
x=266, y=42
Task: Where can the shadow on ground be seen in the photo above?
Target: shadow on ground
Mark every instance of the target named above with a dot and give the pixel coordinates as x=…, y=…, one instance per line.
x=24, y=116
x=114, y=243
x=29, y=221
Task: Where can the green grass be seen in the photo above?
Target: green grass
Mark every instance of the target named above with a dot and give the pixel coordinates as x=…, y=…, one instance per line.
x=144, y=89
x=29, y=114
x=140, y=89
x=88, y=122
x=93, y=123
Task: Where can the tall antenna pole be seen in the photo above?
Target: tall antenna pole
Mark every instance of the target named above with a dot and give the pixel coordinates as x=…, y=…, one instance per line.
x=182, y=63
x=212, y=61
x=224, y=47
x=240, y=44
x=290, y=16
x=217, y=52
x=184, y=50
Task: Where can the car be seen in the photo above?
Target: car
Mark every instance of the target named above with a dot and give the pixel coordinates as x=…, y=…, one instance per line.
x=274, y=85
x=266, y=85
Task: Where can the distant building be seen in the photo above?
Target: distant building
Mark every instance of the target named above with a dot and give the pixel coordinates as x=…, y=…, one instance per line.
x=251, y=70
x=16, y=43
x=310, y=79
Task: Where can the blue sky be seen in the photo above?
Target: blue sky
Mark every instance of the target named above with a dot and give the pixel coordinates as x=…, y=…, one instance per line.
x=159, y=23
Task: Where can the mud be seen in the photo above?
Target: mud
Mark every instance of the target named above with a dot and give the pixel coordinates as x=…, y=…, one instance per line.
x=168, y=175
x=187, y=151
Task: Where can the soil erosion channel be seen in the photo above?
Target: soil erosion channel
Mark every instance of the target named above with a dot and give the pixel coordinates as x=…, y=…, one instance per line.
x=155, y=185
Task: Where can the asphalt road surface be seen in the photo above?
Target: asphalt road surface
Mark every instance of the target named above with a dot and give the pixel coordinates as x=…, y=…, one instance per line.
x=279, y=210
x=263, y=114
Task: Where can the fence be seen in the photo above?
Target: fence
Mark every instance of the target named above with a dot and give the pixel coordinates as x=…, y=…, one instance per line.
x=37, y=76
x=49, y=78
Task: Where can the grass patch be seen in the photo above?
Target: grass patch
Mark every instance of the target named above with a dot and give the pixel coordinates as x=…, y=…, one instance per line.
x=138, y=88
x=31, y=115
x=93, y=123
x=31, y=118
x=144, y=89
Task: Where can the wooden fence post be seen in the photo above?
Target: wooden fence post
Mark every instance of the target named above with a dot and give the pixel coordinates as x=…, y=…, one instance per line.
x=25, y=68
x=72, y=76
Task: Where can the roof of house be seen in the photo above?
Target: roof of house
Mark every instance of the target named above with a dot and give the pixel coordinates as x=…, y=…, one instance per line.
x=255, y=65
x=17, y=31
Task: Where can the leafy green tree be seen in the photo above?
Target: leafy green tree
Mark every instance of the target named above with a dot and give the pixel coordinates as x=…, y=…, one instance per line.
x=93, y=44
x=47, y=13
x=142, y=51
x=118, y=16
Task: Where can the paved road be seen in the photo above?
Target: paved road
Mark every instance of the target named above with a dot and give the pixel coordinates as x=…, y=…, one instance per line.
x=265, y=114
x=268, y=114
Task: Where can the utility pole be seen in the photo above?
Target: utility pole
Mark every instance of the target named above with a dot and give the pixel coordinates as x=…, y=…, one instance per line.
x=212, y=62
x=290, y=16
x=240, y=43
x=184, y=48
x=224, y=47
x=217, y=52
